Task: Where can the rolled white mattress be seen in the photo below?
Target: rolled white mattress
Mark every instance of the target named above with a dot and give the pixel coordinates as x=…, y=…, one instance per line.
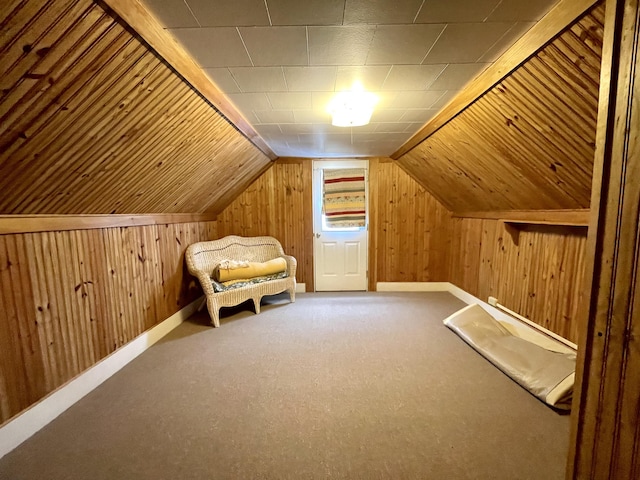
x=546, y=369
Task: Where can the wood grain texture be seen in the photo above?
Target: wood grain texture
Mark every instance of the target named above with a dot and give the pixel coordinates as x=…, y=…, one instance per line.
x=606, y=430
x=408, y=234
x=413, y=238
x=92, y=121
x=56, y=223
x=278, y=204
x=539, y=217
x=405, y=241
x=528, y=142
x=535, y=271
x=71, y=298
x=565, y=12
x=134, y=14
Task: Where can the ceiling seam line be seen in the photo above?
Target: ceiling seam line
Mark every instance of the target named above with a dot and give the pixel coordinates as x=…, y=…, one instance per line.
x=245, y=46
x=478, y=60
x=418, y=13
x=438, y=76
x=434, y=43
x=234, y=79
x=284, y=77
x=375, y=30
x=386, y=77
x=493, y=10
x=444, y=92
x=306, y=33
x=268, y=13
x=192, y=14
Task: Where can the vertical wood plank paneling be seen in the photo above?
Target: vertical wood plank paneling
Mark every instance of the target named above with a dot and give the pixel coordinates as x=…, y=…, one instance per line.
x=70, y=298
x=374, y=206
x=464, y=253
x=23, y=298
x=605, y=437
x=10, y=339
x=410, y=236
x=57, y=330
x=35, y=277
x=278, y=204
x=536, y=270
x=411, y=227
x=84, y=289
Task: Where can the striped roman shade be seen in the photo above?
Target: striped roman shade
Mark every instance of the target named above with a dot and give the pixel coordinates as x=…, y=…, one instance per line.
x=344, y=202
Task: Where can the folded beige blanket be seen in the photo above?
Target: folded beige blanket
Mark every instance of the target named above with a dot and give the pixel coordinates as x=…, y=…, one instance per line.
x=234, y=270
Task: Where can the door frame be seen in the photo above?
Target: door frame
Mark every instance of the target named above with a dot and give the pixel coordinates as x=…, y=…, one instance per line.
x=322, y=163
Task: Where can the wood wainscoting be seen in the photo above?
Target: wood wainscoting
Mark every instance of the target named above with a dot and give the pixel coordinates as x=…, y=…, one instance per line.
x=536, y=271
x=70, y=298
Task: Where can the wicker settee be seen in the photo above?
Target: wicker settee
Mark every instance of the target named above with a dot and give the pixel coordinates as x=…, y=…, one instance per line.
x=203, y=257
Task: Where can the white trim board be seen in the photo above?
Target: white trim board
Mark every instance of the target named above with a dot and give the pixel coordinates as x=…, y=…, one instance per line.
x=301, y=287
x=413, y=287
x=534, y=332
x=29, y=422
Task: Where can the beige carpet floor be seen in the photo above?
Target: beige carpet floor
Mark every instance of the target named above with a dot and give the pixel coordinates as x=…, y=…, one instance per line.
x=340, y=385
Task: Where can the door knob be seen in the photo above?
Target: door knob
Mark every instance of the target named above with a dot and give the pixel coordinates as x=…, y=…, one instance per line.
x=317, y=235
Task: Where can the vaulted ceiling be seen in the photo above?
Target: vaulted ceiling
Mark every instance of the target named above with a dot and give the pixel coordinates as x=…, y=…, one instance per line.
x=527, y=143
x=93, y=121
x=280, y=61
x=99, y=117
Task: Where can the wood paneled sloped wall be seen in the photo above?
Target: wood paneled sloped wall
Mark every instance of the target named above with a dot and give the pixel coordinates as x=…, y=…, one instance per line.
x=92, y=121
x=68, y=299
x=528, y=143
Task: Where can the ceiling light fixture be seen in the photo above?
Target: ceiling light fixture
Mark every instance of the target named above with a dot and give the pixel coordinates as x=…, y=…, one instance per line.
x=353, y=108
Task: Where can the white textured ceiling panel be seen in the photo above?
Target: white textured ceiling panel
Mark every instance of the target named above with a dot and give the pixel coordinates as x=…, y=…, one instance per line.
x=281, y=61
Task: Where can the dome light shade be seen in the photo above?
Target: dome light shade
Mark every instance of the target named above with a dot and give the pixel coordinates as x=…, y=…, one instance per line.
x=352, y=109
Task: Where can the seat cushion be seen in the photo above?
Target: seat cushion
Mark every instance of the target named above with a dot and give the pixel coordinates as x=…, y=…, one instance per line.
x=233, y=284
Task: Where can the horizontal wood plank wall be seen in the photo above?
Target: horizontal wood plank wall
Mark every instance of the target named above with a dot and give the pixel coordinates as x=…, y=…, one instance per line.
x=536, y=271
x=92, y=121
x=408, y=228
x=278, y=204
x=71, y=298
x=528, y=143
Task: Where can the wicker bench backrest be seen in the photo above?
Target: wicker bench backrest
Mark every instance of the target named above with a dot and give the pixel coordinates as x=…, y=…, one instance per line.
x=205, y=256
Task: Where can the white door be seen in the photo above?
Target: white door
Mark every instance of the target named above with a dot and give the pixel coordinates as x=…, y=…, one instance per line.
x=340, y=252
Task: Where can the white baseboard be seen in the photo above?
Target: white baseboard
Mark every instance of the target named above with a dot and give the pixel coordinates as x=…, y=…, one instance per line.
x=535, y=333
x=454, y=290
x=466, y=297
x=301, y=287
x=26, y=424
x=413, y=286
